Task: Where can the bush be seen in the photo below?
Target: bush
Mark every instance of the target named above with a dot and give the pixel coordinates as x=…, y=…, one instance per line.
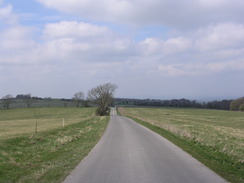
x=235, y=104
x=101, y=112
x=241, y=107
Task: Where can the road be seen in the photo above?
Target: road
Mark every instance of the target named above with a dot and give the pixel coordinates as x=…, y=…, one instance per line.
x=131, y=153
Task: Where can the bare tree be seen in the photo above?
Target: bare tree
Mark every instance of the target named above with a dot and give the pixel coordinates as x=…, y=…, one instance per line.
x=28, y=100
x=7, y=100
x=102, y=95
x=78, y=98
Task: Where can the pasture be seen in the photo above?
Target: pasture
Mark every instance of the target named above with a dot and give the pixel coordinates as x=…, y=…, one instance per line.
x=16, y=122
x=219, y=133
x=51, y=153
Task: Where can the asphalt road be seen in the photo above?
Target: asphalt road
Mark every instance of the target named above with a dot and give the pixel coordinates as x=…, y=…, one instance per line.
x=130, y=153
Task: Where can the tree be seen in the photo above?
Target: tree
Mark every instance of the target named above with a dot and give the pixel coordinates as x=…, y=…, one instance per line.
x=235, y=104
x=65, y=104
x=86, y=103
x=28, y=100
x=102, y=95
x=7, y=100
x=242, y=107
x=78, y=98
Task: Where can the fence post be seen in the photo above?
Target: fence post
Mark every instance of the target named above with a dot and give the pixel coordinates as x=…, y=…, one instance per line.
x=36, y=127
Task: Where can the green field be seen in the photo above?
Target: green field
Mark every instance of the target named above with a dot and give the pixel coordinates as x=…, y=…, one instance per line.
x=215, y=137
x=51, y=153
x=16, y=122
x=19, y=103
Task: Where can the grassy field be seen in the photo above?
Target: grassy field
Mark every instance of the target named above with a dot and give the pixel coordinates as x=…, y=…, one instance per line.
x=214, y=137
x=51, y=153
x=19, y=103
x=16, y=122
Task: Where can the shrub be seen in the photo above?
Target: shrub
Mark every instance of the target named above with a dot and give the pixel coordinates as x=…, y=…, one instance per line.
x=241, y=107
x=235, y=104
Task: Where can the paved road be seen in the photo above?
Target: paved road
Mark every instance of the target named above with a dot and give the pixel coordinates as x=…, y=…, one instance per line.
x=130, y=153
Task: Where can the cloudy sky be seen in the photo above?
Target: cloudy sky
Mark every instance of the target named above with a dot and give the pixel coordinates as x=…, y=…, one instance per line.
x=160, y=49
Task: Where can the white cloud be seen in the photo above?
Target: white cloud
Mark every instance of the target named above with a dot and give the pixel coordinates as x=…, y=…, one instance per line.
x=17, y=45
x=6, y=14
x=64, y=42
x=4, y=11
x=220, y=36
x=229, y=53
x=151, y=46
x=174, y=13
x=178, y=44
x=236, y=65
x=196, y=69
x=85, y=42
x=16, y=38
x=172, y=70
x=75, y=29
x=181, y=69
x=92, y=8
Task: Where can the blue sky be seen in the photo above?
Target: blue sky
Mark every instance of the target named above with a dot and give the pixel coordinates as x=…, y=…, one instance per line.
x=151, y=49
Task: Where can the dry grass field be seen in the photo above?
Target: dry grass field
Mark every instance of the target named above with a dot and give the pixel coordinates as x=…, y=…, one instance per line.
x=50, y=154
x=16, y=122
x=220, y=130
x=214, y=137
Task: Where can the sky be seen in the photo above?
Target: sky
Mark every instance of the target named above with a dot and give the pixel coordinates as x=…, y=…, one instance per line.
x=158, y=49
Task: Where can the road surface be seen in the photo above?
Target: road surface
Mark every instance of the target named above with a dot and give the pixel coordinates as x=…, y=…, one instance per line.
x=130, y=153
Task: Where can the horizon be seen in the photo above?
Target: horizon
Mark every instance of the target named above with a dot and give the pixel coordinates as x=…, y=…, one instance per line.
x=137, y=98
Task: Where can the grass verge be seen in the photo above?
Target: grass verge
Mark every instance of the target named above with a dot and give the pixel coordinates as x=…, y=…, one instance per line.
x=50, y=155
x=219, y=162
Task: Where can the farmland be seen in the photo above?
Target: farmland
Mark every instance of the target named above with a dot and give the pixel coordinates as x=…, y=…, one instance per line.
x=215, y=137
x=51, y=152
x=15, y=122
x=46, y=103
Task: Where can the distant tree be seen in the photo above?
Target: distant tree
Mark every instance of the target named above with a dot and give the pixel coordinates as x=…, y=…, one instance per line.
x=241, y=107
x=235, y=104
x=225, y=104
x=65, y=104
x=87, y=103
x=28, y=100
x=102, y=95
x=7, y=100
x=20, y=96
x=78, y=98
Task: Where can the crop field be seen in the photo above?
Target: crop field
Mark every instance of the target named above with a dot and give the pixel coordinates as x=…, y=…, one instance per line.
x=218, y=131
x=51, y=153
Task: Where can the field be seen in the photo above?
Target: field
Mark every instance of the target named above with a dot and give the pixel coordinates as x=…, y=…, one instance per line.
x=16, y=122
x=219, y=133
x=51, y=153
x=19, y=103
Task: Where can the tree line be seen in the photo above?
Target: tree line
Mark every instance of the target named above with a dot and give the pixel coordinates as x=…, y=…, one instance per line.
x=102, y=96
x=7, y=100
x=235, y=105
